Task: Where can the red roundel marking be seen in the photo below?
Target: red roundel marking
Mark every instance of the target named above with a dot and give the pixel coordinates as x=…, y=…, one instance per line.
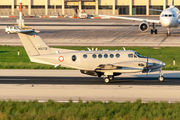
x=61, y=58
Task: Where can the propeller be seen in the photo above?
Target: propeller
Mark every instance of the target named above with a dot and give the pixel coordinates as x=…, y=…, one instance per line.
x=147, y=65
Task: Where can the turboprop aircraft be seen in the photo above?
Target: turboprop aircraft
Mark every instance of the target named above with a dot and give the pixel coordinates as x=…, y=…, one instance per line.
x=107, y=63
x=168, y=19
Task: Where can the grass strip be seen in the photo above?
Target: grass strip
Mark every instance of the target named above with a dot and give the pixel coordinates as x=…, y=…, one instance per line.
x=93, y=110
x=9, y=58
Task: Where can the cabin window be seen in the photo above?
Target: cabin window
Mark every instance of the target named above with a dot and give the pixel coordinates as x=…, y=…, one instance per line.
x=170, y=15
x=84, y=56
x=117, y=55
x=130, y=55
x=100, y=56
x=105, y=56
x=111, y=55
x=94, y=55
x=74, y=58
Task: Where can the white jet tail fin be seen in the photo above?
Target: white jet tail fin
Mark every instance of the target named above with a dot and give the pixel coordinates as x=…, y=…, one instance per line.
x=33, y=44
x=172, y=2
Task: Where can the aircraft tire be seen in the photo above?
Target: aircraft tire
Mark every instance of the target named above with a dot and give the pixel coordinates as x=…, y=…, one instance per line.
x=8, y=32
x=161, y=78
x=106, y=80
x=151, y=31
x=155, y=31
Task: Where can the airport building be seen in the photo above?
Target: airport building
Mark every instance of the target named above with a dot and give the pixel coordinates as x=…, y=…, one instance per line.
x=71, y=7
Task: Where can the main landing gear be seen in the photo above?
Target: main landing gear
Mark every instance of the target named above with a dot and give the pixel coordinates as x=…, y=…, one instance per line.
x=107, y=79
x=161, y=78
x=154, y=30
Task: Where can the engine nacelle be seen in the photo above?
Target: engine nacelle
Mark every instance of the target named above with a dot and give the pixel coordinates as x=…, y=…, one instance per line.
x=144, y=27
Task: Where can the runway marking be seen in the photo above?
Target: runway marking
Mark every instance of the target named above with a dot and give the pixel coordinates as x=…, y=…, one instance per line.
x=84, y=101
x=13, y=79
x=125, y=33
x=167, y=36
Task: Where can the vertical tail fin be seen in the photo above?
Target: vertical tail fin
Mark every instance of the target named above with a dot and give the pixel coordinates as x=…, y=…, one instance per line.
x=33, y=44
x=172, y=2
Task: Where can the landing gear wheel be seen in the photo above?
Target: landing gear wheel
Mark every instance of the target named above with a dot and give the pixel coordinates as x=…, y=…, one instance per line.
x=106, y=80
x=168, y=34
x=161, y=78
x=151, y=31
x=8, y=32
x=111, y=78
x=155, y=31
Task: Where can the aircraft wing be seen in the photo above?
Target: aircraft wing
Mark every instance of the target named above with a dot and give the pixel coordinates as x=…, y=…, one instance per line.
x=156, y=10
x=130, y=18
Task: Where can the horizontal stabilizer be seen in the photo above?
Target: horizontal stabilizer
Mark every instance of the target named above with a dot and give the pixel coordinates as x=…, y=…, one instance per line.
x=33, y=43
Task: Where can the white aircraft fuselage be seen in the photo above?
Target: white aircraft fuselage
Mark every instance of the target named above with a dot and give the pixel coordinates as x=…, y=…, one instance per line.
x=169, y=17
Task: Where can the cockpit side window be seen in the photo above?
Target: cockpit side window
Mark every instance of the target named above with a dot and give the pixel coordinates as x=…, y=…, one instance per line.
x=170, y=15
x=138, y=55
x=166, y=15
x=130, y=55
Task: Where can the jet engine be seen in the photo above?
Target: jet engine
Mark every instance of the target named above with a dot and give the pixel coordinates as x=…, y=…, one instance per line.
x=143, y=27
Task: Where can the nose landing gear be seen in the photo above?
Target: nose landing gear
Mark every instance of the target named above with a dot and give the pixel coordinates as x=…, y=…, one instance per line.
x=154, y=30
x=161, y=77
x=168, y=33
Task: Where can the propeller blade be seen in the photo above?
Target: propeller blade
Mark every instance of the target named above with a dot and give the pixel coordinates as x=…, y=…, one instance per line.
x=147, y=61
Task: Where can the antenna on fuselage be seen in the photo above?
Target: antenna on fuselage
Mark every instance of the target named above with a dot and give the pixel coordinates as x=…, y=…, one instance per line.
x=172, y=2
x=89, y=49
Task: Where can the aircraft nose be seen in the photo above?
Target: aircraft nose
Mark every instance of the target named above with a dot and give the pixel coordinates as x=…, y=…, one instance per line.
x=163, y=64
x=167, y=23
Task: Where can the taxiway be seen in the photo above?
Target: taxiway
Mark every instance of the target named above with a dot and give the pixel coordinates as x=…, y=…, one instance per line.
x=89, y=32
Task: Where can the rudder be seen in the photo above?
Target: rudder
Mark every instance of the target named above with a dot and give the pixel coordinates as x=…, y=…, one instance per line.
x=33, y=44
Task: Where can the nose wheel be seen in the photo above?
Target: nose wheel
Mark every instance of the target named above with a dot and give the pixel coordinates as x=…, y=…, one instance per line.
x=161, y=77
x=154, y=30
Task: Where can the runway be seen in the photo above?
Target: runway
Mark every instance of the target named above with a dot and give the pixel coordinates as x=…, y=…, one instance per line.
x=87, y=81
x=63, y=85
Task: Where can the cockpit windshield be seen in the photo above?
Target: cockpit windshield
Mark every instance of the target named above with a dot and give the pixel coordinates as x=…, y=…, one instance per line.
x=140, y=56
x=168, y=15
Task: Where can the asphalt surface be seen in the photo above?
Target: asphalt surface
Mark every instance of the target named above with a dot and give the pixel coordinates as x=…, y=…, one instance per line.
x=92, y=32
x=87, y=81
